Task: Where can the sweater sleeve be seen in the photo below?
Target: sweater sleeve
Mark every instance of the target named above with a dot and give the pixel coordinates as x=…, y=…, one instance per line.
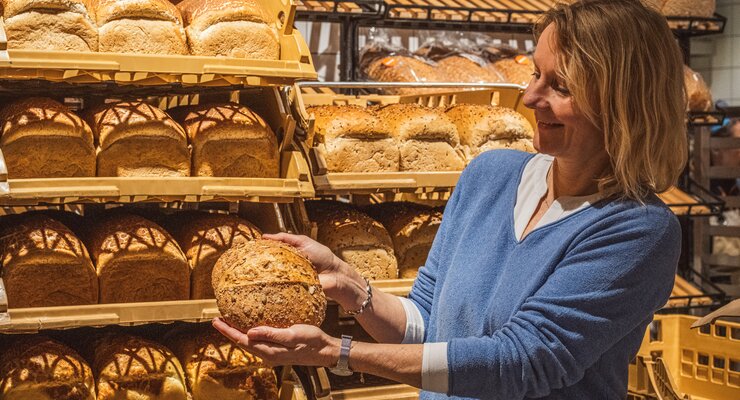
x=609, y=282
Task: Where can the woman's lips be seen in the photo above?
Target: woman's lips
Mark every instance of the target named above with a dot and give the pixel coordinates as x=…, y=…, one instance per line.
x=547, y=125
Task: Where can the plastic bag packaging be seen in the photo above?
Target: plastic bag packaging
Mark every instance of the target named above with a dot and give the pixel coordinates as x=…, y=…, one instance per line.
x=697, y=92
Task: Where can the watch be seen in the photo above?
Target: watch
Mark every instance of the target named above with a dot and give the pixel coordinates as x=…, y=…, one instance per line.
x=342, y=367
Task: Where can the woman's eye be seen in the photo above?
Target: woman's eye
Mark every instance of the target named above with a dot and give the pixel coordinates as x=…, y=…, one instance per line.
x=536, y=75
x=562, y=90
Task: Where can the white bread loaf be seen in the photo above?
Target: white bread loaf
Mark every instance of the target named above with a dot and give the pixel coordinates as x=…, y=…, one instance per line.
x=41, y=138
x=232, y=28
x=404, y=69
x=39, y=368
x=204, y=237
x=462, y=69
x=267, y=283
x=355, y=140
x=699, y=97
x=137, y=260
x=231, y=140
x=50, y=25
x=216, y=368
x=689, y=8
x=517, y=70
x=427, y=138
x=132, y=368
x=44, y=263
x=138, y=139
x=354, y=237
x=139, y=26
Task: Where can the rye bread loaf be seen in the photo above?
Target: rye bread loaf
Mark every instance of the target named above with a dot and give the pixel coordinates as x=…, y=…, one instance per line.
x=138, y=139
x=516, y=70
x=204, y=237
x=412, y=228
x=231, y=140
x=216, y=368
x=689, y=8
x=427, y=138
x=232, y=28
x=133, y=368
x=267, y=283
x=139, y=26
x=354, y=237
x=699, y=97
x=66, y=25
x=404, y=69
x=137, y=260
x=44, y=263
x=42, y=138
x=37, y=367
x=355, y=139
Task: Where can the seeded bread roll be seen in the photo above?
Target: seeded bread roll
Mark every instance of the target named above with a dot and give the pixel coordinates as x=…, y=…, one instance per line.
x=137, y=260
x=140, y=27
x=138, y=139
x=355, y=140
x=697, y=91
x=216, y=368
x=404, y=69
x=65, y=25
x=232, y=28
x=691, y=8
x=267, y=283
x=428, y=139
x=354, y=237
x=133, y=368
x=42, y=138
x=44, y=263
x=231, y=140
x=204, y=237
x=516, y=70
x=462, y=69
x=39, y=368
x=412, y=228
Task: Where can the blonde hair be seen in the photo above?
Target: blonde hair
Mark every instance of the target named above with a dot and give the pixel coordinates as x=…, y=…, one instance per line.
x=624, y=70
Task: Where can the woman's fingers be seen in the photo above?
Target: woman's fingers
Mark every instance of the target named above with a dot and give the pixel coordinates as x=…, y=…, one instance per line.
x=284, y=337
x=293, y=240
x=230, y=332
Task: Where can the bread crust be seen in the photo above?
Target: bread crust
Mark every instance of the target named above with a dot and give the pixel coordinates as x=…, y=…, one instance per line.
x=692, y=8
x=65, y=25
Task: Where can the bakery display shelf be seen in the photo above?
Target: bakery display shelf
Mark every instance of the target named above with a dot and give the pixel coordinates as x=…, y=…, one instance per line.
x=696, y=201
x=337, y=10
x=708, y=118
x=683, y=26
x=383, y=392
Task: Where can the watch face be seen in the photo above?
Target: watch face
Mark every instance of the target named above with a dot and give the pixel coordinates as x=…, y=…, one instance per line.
x=341, y=371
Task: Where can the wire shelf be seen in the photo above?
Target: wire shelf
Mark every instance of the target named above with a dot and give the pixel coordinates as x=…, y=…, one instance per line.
x=337, y=10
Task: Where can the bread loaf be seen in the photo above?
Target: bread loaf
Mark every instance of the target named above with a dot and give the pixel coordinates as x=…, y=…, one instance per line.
x=139, y=26
x=39, y=368
x=412, y=228
x=484, y=127
x=136, y=260
x=404, y=69
x=138, y=139
x=690, y=8
x=462, y=69
x=355, y=140
x=41, y=138
x=517, y=70
x=428, y=139
x=232, y=28
x=133, y=368
x=50, y=25
x=204, y=237
x=267, y=283
x=354, y=237
x=216, y=368
x=44, y=263
x=698, y=95
x=231, y=140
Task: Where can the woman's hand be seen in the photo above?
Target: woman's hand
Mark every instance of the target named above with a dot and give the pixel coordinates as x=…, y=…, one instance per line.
x=297, y=345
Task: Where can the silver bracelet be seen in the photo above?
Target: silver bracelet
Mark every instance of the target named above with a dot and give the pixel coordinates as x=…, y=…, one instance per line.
x=369, y=291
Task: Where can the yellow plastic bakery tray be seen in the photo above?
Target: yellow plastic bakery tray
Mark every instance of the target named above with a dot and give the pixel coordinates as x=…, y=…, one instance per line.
x=135, y=69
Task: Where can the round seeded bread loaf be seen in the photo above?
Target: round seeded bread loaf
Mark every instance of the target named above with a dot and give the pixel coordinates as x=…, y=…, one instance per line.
x=698, y=95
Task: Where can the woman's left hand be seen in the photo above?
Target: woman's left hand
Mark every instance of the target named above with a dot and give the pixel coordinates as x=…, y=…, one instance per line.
x=297, y=345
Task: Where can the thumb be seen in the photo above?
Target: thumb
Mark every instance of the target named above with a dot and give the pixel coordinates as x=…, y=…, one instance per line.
x=284, y=337
x=293, y=240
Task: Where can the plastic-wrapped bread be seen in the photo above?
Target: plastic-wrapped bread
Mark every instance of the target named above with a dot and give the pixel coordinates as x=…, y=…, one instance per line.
x=138, y=139
x=355, y=140
x=137, y=260
x=356, y=238
x=697, y=92
x=463, y=69
x=267, y=283
x=655, y=4
x=231, y=140
x=412, y=228
x=44, y=263
x=689, y=8
x=65, y=25
x=204, y=237
x=216, y=368
x=133, y=368
x=139, y=26
x=404, y=69
x=517, y=70
x=42, y=138
x=484, y=127
x=427, y=138
x=39, y=368
x=232, y=28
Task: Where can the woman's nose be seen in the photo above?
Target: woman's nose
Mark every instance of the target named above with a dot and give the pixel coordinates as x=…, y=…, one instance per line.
x=533, y=97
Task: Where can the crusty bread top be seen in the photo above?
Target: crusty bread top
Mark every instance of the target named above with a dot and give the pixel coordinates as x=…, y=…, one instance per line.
x=346, y=121
x=109, y=10
x=24, y=233
x=200, y=14
x=409, y=224
x=343, y=226
x=130, y=357
x=15, y=7
x=203, y=349
x=413, y=121
x=211, y=230
x=201, y=120
x=40, y=110
x=477, y=124
x=116, y=118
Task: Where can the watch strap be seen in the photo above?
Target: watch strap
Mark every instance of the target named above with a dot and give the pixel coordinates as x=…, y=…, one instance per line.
x=343, y=363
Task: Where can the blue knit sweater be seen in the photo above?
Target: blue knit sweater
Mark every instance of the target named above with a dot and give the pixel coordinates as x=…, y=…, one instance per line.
x=559, y=314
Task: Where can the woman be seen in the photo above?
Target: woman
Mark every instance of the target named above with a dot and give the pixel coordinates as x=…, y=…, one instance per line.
x=547, y=268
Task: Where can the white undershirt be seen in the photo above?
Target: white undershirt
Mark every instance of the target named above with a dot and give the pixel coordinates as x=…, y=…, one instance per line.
x=532, y=187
